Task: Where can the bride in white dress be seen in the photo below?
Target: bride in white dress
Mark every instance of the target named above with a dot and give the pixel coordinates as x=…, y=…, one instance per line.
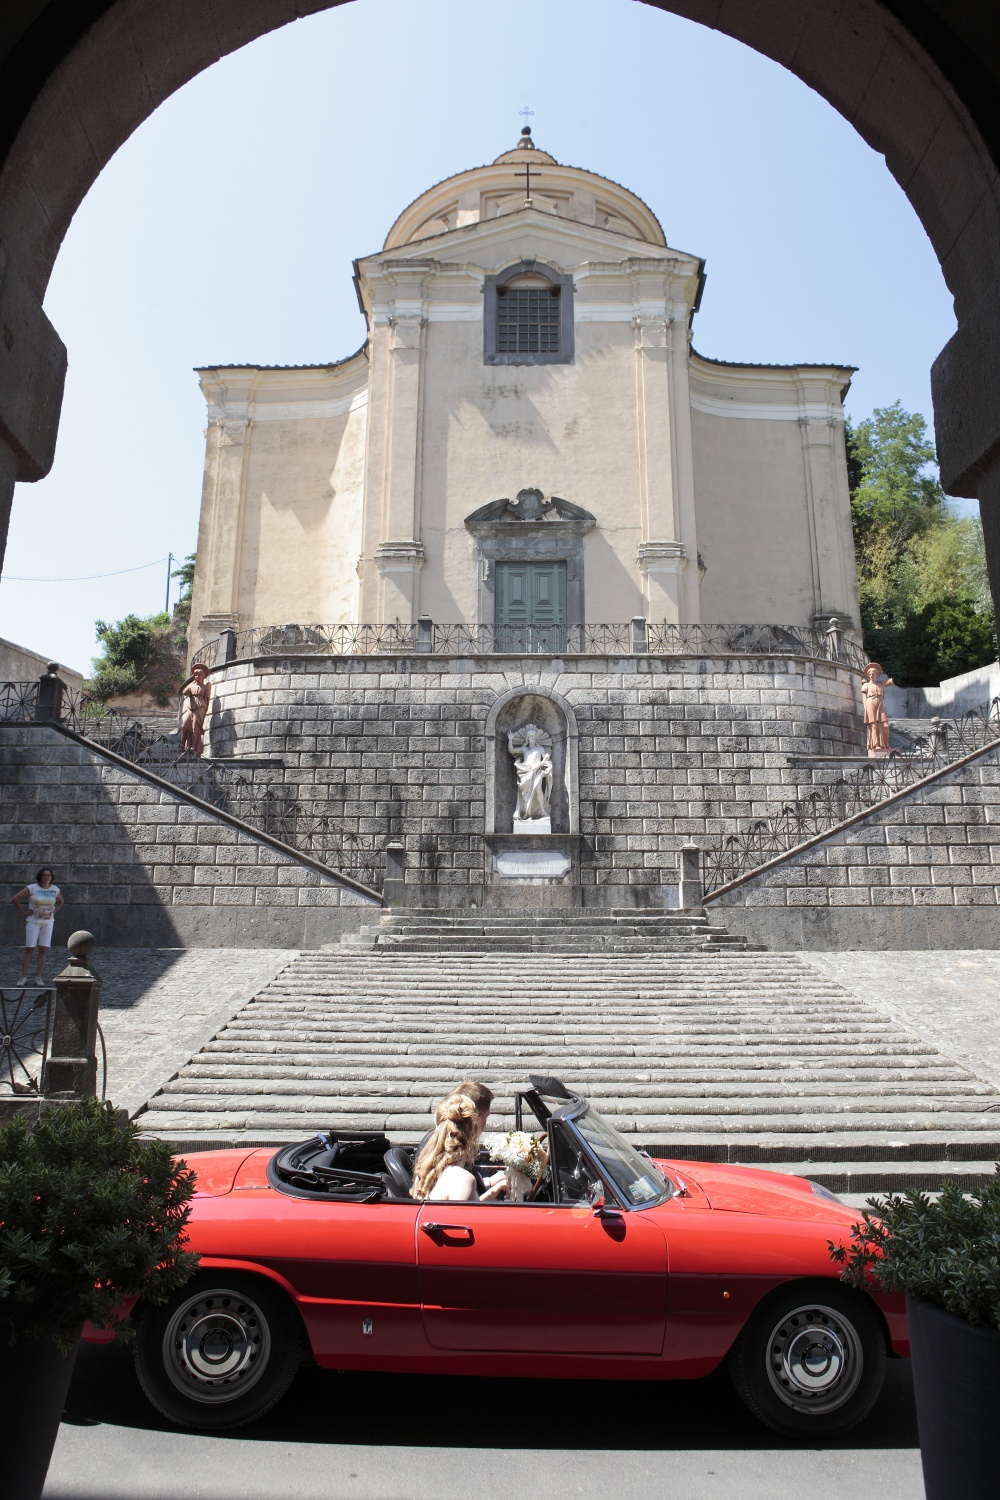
x=442, y=1168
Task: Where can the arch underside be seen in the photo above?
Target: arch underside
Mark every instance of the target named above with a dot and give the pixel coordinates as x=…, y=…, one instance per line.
x=867, y=63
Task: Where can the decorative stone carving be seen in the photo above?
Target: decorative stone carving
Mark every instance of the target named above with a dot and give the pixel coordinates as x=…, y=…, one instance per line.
x=531, y=748
x=529, y=505
x=402, y=555
x=876, y=719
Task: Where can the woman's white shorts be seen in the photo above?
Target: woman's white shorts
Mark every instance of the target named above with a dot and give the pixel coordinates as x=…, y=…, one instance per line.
x=38, y=934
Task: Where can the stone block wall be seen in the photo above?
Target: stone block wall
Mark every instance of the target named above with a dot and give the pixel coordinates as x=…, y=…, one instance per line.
x=140, y=863
x=669, y=750
x=923, y=870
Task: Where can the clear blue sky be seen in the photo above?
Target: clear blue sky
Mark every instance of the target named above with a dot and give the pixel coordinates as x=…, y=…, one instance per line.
x=224, y=231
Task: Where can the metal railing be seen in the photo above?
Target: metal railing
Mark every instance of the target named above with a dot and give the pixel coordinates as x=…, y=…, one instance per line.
x=270, y=809
x=25, y=1034
x=823, y=807
x=634, y=637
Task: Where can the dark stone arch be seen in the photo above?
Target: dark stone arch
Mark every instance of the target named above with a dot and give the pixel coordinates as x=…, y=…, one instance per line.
x=88, y=72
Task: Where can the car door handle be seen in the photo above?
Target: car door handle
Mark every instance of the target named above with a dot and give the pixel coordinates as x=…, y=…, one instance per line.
x=435, y=1230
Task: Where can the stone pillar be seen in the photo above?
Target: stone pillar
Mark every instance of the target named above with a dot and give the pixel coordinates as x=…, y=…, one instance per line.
x=639, y=643
x=425, y=634
x=227, y=646
x=394, y=889
x=48, y=706
x=690, y=886
x=662, y=566
x=71, y=1071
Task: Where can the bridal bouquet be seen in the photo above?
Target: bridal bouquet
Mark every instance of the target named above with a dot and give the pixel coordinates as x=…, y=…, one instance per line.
x=519, y=1152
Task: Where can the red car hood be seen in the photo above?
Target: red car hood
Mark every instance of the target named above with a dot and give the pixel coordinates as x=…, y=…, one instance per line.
x=749, y=1190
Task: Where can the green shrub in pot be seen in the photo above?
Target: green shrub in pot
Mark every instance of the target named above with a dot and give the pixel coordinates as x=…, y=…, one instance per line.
x=945, y=1256
x=90, y=1218
x=946, y=1252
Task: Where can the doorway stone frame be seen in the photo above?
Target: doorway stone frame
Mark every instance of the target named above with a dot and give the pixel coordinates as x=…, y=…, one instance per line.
x=551, y=541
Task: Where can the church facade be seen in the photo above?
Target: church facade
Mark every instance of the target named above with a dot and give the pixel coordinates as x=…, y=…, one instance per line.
x=529, y=334
x=459, y=595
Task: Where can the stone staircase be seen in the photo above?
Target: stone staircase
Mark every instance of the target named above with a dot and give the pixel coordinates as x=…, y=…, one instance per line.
x=567, y=930
x=728, y=1056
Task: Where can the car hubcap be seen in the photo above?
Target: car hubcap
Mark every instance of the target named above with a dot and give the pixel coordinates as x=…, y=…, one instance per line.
x=216, y=1346
x=814, y=1359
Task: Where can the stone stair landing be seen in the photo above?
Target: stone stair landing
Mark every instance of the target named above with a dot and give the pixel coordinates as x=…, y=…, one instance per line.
x=567, y=930
x=741, y=1057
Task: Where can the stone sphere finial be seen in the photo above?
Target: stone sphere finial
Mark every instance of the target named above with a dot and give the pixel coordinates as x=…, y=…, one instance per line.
x=81, y=944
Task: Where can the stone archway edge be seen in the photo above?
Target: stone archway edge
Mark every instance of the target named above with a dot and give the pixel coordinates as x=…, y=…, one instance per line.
x=830, y=834
x=217, y=814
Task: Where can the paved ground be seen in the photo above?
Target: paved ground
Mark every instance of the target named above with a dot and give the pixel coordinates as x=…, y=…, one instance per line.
x=370, y=1437
x=950, y=996
x=160, y=1005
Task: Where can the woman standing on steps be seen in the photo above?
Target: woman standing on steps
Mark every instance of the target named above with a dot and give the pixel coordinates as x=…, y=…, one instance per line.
x=44, y=900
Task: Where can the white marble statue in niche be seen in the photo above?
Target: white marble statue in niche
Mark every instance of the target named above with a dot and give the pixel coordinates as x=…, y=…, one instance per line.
x=531, y=748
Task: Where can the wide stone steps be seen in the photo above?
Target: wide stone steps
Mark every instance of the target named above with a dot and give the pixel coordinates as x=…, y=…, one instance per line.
x=570, y=931
x=743, y=1057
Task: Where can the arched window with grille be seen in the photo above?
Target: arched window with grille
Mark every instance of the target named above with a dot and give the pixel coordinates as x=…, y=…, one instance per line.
x=528, y=316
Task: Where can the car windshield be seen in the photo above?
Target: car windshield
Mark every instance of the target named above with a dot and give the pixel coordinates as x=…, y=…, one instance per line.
x=635, y=1177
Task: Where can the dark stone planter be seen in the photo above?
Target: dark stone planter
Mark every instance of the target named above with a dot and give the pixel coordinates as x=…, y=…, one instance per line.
x=956, y=1382
x=34, y=1378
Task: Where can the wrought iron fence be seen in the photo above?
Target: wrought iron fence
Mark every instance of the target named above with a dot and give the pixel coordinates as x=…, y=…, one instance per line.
x=25, y=1033
x=823, y=807
x=276, y=810
x=634, y=637
x=18, y=701
x=271, y=809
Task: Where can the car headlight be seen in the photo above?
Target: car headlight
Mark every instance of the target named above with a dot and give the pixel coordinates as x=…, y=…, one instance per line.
x=823, y=1192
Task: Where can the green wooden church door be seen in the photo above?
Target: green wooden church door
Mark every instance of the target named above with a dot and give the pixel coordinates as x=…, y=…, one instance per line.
x=531, y=606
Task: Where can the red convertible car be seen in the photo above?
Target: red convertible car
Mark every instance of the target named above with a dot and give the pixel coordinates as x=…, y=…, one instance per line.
x=619, y=1267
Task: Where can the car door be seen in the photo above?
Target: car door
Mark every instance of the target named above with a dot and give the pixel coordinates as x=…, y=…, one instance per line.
x=558, y=1278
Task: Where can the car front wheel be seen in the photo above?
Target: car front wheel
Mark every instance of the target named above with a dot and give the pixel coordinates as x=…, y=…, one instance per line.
x=220, y=1353
x=811, y=1359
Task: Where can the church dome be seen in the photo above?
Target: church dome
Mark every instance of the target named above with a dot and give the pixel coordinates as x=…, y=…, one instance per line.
x=502, y=187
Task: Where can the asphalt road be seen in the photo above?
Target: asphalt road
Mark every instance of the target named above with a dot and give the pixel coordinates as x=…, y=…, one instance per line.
x=395, y=1437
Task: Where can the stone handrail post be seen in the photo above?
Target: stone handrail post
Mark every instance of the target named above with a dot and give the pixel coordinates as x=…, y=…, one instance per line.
x=425, y=634
x=394, y=887
x=639, y=641
x=834, y=637
x=227, y=646
x=48, y=706
x=71, y=1071
x=691, y=885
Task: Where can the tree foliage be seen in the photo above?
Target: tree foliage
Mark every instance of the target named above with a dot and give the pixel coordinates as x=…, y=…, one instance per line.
x=90, y=1217
x=926, y=609
x=946, y=1252
x=146, y=654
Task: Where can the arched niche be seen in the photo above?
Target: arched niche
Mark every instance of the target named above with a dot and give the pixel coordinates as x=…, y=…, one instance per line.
x=550, y=711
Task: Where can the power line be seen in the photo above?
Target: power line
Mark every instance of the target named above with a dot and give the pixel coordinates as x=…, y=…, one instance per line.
x=86, y=577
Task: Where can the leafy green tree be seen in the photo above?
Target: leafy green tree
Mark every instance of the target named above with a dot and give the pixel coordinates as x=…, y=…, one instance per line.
x=926, y=609
x=128, y=647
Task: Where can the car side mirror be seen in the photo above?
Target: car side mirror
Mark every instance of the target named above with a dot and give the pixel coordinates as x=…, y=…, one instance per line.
x=597, y=1195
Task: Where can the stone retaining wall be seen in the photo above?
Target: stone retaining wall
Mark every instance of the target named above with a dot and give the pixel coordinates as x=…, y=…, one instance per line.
x=920, y=871
x=142, y=864
x=669, y=750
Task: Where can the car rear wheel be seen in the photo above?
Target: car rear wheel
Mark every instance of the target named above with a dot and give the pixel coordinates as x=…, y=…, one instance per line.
x=811, y=1359
x=220, y=1353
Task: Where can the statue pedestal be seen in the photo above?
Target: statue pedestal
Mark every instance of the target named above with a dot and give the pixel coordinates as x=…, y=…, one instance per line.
x=532, y=825
x=533, y=869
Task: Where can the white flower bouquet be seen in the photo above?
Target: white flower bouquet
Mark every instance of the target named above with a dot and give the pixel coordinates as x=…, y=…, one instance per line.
x=518, y=1151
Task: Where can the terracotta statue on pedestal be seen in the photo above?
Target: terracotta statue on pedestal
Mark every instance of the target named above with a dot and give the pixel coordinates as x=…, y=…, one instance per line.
x=876, y=720
x=195, y=695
